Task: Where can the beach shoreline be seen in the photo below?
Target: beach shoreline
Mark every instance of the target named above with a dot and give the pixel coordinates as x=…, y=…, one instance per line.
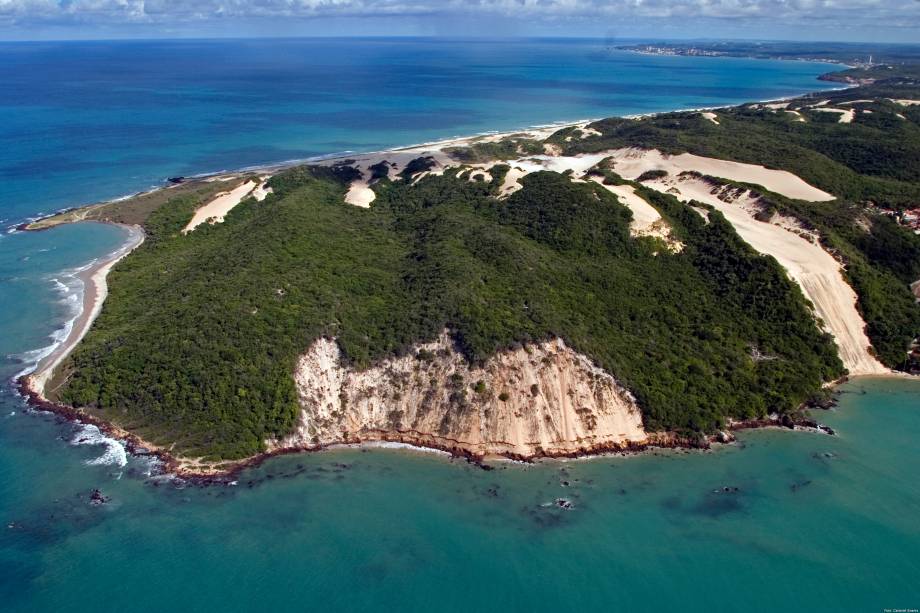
x=95, y=290
x=533, y=131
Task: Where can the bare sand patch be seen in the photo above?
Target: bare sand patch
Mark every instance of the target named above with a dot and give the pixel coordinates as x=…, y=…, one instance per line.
x=633, y=162
x=711, y=117
x=846, y=115
x=647, y=221
x=217, y=209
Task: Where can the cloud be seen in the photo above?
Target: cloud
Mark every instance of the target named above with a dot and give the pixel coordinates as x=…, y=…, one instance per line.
x=891, y=13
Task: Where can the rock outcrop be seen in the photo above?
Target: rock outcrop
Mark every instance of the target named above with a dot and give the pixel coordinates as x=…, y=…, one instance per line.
x=540, y=400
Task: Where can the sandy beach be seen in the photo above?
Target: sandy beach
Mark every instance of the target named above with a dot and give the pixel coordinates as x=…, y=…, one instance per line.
x=95, y=291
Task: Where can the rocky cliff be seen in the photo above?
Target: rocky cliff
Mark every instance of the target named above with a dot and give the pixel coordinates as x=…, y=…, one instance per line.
x=541, y=399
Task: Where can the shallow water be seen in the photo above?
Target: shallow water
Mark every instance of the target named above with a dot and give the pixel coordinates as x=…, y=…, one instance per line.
x=816, y=523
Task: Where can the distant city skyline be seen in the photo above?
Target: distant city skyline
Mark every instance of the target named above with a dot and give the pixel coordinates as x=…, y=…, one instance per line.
x=830, y=20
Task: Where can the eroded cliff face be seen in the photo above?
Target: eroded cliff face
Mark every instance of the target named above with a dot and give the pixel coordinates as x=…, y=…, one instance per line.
x=541, y=400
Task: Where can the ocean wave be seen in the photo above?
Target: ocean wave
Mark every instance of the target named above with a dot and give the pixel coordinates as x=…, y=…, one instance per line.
x=70, y=287
x=114, y=455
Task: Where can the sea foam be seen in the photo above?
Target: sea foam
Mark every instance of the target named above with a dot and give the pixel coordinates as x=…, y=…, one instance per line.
x=114, y=455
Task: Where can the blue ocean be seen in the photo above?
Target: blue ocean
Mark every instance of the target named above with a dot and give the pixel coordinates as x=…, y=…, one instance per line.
x=783, y=521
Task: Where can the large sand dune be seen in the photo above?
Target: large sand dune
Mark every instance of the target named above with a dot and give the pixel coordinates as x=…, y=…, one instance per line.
x=818, y=274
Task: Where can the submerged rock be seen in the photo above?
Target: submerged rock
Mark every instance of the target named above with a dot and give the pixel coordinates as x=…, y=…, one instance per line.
x=97, y=498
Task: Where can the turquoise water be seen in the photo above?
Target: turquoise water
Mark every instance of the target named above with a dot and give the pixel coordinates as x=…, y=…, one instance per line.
x=817, y=523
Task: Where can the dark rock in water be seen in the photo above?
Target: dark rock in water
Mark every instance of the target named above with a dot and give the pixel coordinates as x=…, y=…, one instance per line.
x=175, y=180
x=797, y=486
x=826, y=429
x=728, y=489
x=564, y=483
x=787, y=422
x=97, y=498
x=564, y=503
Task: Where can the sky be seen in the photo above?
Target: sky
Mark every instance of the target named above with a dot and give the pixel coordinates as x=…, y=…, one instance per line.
x=826, y=20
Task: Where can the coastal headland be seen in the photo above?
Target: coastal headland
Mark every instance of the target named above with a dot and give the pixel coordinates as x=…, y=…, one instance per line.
x=690, y=191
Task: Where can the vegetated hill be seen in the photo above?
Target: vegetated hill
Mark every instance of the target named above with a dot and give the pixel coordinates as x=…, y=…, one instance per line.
x=198, y=340
x=872, y=164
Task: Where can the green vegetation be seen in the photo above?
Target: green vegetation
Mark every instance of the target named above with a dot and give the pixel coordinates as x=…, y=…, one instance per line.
x=505, y=149
x=200, y=334
x=199, y=337
x=872, y=165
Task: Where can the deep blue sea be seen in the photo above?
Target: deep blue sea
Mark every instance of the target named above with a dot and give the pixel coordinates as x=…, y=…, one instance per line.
x=817, y=523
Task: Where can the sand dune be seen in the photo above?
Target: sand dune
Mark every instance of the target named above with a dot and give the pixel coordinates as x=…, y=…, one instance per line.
x=818, y=274
x=846, y=115
x=217, y=209
x=633, y=162
x=647, y=221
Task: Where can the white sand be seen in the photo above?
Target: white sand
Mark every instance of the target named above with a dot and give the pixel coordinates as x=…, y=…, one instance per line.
x=776, y=105
x=818, y=274
x=633, y=162
x=905, y=102
x=798, y=116
x=711, y=117
x=647, y=221
x=360, y=193
x=262, y=190
x=512, y=183
x=846, y=115
x=217, y=209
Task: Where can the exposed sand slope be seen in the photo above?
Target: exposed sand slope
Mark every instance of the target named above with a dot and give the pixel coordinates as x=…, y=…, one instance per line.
x=711, y=117
x=798, y=116
x=904, y=102
x=846, y=115
x=95, y=290
x=633, y=162
x=359, y=193
x=814, y=269
x=511, y=182
x=217, y=209
x=261, y=191
x=647, y=221
x=545, y=399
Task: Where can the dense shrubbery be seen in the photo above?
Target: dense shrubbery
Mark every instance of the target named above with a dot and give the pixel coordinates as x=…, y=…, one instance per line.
x=871, y=163
x=198, y=339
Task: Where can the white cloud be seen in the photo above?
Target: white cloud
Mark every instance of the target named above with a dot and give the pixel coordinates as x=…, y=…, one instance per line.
x=893, y=13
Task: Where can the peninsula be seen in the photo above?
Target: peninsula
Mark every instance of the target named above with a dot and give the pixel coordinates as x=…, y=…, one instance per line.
x=604, y=286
